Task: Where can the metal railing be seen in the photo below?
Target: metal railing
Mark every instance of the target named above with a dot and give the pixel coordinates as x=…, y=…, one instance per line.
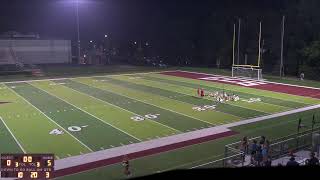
x=235, y=157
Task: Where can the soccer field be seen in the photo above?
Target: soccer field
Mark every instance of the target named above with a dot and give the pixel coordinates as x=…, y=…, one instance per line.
x=75, y=116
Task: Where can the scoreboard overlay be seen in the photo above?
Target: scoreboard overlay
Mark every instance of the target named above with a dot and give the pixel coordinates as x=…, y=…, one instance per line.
x=27, y=166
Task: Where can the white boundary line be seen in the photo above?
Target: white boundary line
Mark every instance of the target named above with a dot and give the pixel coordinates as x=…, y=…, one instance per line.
x=50, y=119
x=206, y=99
x=148, y=103
x=248, y=79
x=141, y=146
x=252, y=87
x=235, y=104
x=240, y=91
x=116, y=105
x=171, y=97
x=18, y=143
x=115, y=151
x=52, y=79
x=262, y=118
x=86, y=112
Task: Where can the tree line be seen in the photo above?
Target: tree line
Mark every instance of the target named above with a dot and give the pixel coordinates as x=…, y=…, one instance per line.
x=203, y=34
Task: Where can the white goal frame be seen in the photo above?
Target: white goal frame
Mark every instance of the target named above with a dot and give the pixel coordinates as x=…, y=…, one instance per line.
x=247, y=72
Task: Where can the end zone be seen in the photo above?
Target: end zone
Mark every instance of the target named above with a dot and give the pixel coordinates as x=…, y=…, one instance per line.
x=250, y=83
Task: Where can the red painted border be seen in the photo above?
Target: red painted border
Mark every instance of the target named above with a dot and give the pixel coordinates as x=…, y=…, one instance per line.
x=282, y=88
x=106, y=162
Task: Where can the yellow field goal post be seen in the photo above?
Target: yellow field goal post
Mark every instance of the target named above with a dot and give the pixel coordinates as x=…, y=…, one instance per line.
x=247, y=70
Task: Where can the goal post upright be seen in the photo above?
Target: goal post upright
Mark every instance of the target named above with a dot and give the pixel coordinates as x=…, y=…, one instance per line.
x=259, y=52
x=233, y=43
x=254, y=70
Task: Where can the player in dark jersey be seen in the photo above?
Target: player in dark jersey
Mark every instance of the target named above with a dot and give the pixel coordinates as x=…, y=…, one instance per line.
x=202, y=93
x=126, y=166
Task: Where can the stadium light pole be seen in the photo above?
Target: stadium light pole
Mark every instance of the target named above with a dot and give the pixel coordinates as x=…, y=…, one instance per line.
x=78, y=29
x=282, y=38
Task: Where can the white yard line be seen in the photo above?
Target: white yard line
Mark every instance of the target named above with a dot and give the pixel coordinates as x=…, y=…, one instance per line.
x=51, y=119
x=184, y=95
x=252, y=87
x=18, y=143
x=87, y=113
x=119, y=106
x=137, y=147
x=308, y=87
x=240, y=91
x=123, y=150
x=149, y=103
x=228, y=104
x=233, y=104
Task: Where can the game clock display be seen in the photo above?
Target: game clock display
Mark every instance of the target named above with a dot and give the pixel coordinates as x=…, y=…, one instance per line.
x=27, y=166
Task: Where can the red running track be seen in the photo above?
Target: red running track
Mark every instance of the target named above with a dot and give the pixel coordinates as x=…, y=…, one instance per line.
x=275, y=87
x=106, y=162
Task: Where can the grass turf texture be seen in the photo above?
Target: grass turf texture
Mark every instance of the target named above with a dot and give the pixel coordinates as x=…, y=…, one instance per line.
x=103, y=107
x=201, y=153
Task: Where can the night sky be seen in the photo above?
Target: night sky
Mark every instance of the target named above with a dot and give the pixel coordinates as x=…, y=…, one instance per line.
x=120, y=19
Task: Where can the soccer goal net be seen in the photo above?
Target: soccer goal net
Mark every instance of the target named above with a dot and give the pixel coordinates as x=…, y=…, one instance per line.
x=248, y=72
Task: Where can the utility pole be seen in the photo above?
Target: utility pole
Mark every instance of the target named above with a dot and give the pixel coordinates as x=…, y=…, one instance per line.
x=78, y=30
x=259, y=53
x=239, y=32
x=233, y=43
x=282, y=37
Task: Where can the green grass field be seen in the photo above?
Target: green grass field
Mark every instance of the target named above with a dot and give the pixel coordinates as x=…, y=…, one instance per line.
x=96, y=113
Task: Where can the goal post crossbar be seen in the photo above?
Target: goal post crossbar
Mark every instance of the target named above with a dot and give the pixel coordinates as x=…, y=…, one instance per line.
x=253, y=72
x=246, y=66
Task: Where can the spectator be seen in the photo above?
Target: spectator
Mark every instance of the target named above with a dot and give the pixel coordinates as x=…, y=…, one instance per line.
x=268, y=145
x=258, y=156
x=262, y=140
x=302, y=76
x=244, y=145
x=264, y=153
x=313, y=161
x=292, y=162
x=268, y=162
x=253, y=150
